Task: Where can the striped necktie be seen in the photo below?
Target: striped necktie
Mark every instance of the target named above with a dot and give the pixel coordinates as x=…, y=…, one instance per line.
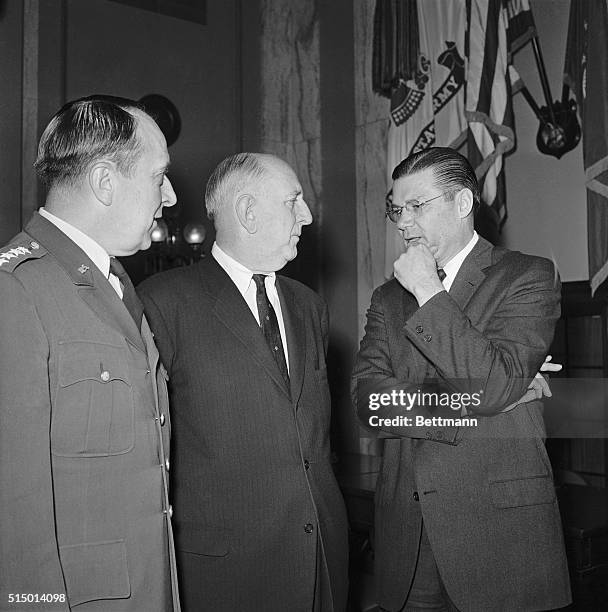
x=270, y=326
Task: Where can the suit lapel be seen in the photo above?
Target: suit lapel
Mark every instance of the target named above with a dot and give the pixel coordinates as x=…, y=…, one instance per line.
x=295, y=331
x=94, y=289
x=471, y=274
x=232, y=311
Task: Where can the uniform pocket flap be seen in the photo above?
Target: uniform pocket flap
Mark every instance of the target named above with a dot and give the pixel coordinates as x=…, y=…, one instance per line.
x=93, y=409
x=96, y=570
x=96, y=361
x=528, y=491
x=201, y=540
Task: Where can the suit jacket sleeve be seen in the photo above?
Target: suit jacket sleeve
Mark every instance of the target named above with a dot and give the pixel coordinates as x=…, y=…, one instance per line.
x=499, y=358
x=30, y=554
x=374, y=365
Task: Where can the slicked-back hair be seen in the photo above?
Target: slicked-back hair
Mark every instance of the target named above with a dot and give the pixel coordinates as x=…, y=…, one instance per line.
x=451, y=170
x=84, y=132
x=229, y=176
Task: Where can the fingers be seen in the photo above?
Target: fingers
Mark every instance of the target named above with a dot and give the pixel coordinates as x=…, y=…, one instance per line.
x=528, y=396
x=540, y=386
x=550, y=367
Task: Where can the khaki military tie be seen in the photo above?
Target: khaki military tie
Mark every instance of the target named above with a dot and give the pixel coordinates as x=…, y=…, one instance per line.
x=129, y=297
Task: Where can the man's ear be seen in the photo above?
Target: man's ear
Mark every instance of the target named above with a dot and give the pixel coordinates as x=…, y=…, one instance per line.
x=245, y=212
x=102, y=181
x=464, y=201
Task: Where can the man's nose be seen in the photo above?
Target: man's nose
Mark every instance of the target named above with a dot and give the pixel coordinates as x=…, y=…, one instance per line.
x=169, y=197
x=304, y=215
x=406, y=219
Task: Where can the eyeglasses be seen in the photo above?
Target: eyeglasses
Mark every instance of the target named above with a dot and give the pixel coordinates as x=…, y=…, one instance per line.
x=414, y=207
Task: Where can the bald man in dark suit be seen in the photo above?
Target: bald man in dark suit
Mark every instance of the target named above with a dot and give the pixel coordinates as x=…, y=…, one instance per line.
x=260, y=520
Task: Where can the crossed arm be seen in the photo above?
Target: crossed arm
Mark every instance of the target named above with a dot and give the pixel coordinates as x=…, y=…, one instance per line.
x=499, y=356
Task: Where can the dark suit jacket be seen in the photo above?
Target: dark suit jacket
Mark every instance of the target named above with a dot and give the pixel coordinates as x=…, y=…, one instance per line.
x=259, y=515
x=83, y=484
x=485, y=493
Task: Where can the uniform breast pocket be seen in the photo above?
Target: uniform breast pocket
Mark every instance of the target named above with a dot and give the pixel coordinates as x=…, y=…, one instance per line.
x=93, y=410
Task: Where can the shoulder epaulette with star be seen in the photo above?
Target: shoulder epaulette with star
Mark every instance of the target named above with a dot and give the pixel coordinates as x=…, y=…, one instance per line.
x=20, y=249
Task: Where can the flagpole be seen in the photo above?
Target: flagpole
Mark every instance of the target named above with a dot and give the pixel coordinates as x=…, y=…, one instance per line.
x=542, y=72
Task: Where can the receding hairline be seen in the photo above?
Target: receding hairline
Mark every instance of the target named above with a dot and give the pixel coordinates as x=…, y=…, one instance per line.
x=243, y=173
x=261, y=165
x=269, y=163
x=146, y=138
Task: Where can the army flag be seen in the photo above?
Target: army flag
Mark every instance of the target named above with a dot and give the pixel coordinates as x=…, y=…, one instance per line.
x=586, y=74
x=427, y=109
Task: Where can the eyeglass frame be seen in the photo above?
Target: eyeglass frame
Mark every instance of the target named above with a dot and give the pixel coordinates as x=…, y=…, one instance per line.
x=409, y=206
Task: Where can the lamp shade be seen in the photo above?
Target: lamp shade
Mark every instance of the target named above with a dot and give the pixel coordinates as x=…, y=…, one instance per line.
x=160, y=232
x=194, y=233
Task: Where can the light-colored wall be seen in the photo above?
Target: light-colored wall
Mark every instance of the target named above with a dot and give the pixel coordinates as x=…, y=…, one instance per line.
x=287, y=117
x=546, y=197
x=305, y=114
x=371, y=133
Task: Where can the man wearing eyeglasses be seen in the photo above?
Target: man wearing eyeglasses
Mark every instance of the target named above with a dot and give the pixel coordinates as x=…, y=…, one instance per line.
x=466, y=516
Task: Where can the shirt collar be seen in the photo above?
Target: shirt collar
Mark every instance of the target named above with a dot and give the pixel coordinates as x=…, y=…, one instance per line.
x=452, y=267
x=241, y=276
x=94, y=251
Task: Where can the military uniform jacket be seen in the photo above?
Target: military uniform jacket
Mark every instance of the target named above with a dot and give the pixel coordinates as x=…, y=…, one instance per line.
x=84, y=430
x=260, y=521
x=485, y=492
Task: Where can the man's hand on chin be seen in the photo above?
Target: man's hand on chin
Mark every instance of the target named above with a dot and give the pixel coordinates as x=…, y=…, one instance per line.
x=416, y=270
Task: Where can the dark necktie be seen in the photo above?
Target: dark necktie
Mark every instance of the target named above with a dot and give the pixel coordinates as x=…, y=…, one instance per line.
x=129, y=297
x=270, y=325
x=441, y=274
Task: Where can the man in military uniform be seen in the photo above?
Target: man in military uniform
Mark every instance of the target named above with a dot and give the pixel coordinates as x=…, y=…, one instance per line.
x=84, y=427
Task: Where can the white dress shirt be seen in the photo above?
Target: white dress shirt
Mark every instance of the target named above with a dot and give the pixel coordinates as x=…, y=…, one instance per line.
x=93, y=250
x=242, y=277
x=452, y=267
